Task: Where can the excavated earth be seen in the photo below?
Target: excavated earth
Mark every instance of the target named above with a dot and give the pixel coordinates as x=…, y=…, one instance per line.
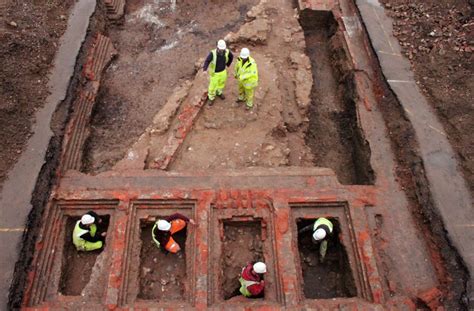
x=146, y=144
x=154, y=38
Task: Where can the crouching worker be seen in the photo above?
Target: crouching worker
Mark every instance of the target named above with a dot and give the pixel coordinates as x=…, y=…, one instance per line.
x=86, y=235
x=163, y=230
x=251, y=280
x=322, y=229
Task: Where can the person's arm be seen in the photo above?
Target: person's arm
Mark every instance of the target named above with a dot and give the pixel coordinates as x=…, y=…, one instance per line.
x=306, y=229
x=177, y=216
x=236, y=69
x=207, y=61
x=231, y=58
x=257, y=289
x=87, y=236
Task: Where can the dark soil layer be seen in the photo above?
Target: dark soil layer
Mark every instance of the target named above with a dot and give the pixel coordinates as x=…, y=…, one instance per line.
x=331, y=134
x=162, y=275
x=29, y=36
x=438, y=38
x=157, y=39
x=242, y=244
x=77, y=266
x=330, y=279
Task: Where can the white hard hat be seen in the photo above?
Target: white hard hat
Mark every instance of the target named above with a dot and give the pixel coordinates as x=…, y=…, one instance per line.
x=221, y=45
x=319, y=234
x=244, y=53
x=163, y=225
x=87, y=219
x=259, y=267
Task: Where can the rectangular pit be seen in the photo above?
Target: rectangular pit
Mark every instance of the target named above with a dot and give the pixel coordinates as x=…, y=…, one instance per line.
x=161, y=274
x=330, y=279
x=151, y=277
x=77, y=266
x=334, y=135
x=65, y=274
x=242, y=244
x=238, y=236
x=349, y=273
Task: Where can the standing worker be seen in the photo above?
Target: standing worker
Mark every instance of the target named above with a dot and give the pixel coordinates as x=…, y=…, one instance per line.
x=86, y=236
x=322, y=229
x=246, y=73
x=217, y=61
x=163, y=230
x=251, y=280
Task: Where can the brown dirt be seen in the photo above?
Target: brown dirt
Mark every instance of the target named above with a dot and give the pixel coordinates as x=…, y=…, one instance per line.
x=242, y=244
x=438, y=38
x=77, y=266
x=331, y=119
x=162, y=275
x=330, y=279
x=289, y=125
x=156, y=40
x=29, y=36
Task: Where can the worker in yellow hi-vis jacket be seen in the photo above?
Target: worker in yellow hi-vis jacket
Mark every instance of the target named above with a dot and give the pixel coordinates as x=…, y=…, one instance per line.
x=246, y=73
x=217, y=61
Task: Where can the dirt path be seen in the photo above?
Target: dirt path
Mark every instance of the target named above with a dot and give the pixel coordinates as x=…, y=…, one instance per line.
x=438, y=39
x=29, y=36
x=272, y=134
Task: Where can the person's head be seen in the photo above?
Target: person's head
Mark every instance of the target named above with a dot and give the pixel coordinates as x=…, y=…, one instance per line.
x=319, y=234
x=221, y=46
x=244, y=53
x=87, y=220
x=259, y=267
x=163, y=225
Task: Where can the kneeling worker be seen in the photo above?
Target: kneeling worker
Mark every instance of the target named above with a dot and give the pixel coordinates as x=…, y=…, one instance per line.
x=86, y=236
x=163, y=230
x=322, y=229
x=251, y=280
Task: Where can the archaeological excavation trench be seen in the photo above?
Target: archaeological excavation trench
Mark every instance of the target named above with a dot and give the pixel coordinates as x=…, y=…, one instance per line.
x=142, y=143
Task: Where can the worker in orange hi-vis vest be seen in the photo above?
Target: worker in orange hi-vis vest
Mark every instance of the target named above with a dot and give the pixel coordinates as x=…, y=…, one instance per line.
x=163, y=230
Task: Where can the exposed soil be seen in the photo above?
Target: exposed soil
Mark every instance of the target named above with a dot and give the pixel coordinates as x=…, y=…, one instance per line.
x=451, y=272
x=242, y=244
x=438, y=38
x=332, y=120
x=157, y=51
x=162, y=275
x=29, y=36
x=330, y=279
x=77, y=266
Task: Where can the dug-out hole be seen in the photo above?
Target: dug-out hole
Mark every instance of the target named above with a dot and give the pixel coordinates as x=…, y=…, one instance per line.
x=333, y=134
x=242, y=244
x=331, y=279
x=162, y=274
x=77, y=266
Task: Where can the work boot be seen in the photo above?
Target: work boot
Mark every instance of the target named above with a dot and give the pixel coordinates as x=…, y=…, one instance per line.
x=210, y=102
x=238, y=101
x=221, y=96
